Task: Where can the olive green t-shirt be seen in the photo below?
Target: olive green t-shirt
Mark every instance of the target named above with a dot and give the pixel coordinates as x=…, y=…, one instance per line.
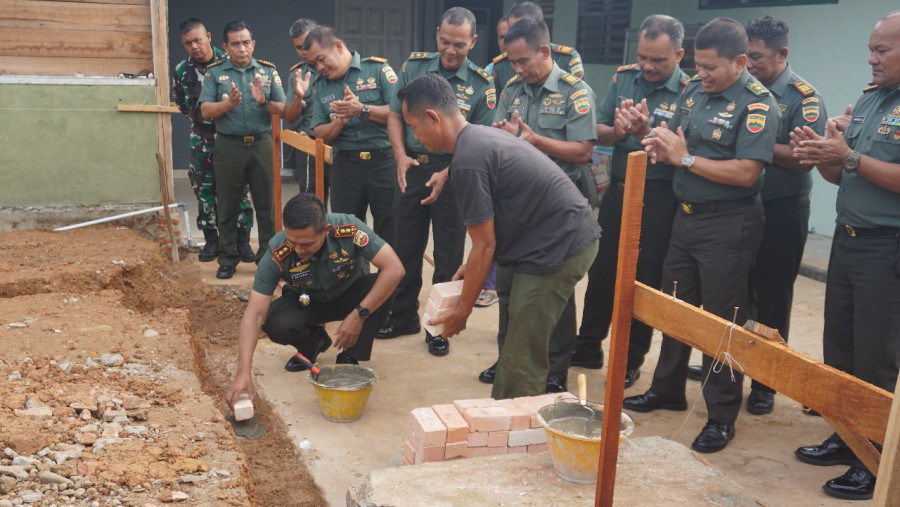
x=248, y=117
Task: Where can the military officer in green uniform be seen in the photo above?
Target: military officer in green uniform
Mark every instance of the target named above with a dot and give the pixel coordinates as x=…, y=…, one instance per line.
x=640, y=97
x=725, y=125
x=566, y=57
x=416, y=164
x=186, y=88
x=350, y=111
x=554, y=111
x=241, y=94
x=861, y=153
x=320, y=258
x=296, y=109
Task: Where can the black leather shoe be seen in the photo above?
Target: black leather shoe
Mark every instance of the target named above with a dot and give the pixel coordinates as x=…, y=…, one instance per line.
x=225, y=272
x=295, y=364
x=650, y=401
x=832, y=451
x=631, y=376
x=856, y=484
x=760, y=402
x=592, y=360
x=487, y=376
x=714, y=437
x=243, y=246
x=556, y=382
x=393, y=329
x=437, y=345
x=345, y=358
x=695, y=372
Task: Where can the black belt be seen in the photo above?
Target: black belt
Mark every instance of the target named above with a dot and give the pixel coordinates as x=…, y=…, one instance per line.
x=249, y=138
x=695, y=208
x=876, y=232
x=425, y=158
x=367, y=154
x=648, y=185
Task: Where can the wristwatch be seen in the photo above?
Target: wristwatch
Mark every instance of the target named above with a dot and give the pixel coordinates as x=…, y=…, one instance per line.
x=687, y=161
x=267, y=102
x=364, y=114
x=851, y=163
x=363, y=312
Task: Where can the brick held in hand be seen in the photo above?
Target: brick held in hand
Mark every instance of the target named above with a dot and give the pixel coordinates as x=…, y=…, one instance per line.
x=446, y=295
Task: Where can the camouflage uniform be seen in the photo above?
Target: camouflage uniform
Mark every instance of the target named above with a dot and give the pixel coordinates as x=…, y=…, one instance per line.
x=187, y=86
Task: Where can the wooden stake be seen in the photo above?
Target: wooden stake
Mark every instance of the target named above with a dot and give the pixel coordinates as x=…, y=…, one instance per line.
x=629, y=242
x=320, y=168
x=159, y=14
x=276, y=158
x=173, y=243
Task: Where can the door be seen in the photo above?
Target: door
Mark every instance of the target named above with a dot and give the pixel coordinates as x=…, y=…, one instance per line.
x=383, y=28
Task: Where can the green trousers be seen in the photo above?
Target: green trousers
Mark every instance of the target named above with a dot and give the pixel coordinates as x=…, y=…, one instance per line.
x=239, y=165
x=535, y=305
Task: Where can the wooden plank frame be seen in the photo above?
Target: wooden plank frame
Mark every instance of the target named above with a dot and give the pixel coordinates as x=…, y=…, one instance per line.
x=159, y=24
x=859, y=411
x=316, y=148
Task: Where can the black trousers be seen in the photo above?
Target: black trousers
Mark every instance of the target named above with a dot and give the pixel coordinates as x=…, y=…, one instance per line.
x=357, y=185
x=411, y=222
x=710, y=256
x=777, y=264
x=862, y=308
x=656, y=227
x=290, y=323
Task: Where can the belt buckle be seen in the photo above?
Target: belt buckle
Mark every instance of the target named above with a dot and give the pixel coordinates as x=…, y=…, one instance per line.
x=249, y=139
x=687, y=208
x=422, y=159
x=365, y=155
x=850, y=231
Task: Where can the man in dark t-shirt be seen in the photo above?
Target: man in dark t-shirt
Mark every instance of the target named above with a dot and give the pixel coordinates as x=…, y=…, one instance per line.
x=519, y=209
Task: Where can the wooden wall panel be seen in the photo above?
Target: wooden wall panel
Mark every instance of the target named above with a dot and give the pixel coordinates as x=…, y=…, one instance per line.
x=75, y=43
x=56, y=66
x=74, y=16
x=115, y=2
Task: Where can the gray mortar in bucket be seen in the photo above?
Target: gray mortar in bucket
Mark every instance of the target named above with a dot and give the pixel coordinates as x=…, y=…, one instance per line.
x=573, y=418
x=344, y=377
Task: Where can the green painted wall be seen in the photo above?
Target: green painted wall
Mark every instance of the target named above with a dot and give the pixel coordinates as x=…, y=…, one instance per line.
x=65, y=144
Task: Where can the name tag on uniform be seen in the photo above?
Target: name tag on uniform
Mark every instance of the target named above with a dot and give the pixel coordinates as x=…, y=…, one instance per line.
x=557, y=110
x=327, y=98
x=858, y=119
x=663, y=113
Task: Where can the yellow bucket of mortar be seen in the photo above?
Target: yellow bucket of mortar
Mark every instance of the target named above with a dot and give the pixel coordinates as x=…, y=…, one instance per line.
x=573, y=436
x=343, y=390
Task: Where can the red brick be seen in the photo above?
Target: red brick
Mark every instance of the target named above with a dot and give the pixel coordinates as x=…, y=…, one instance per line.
x=478, y=439
x=426, y=427
x=409, y=452
x=446, y=295
x=498, y=438
x=405, y=463
x=457, y=427
x=475, y=452
x=535, y=448
x=494, y=418
x=527, y=437
x=456, y=450
x=519, y=413
x=517, y=450
x=433, y=310
x=462, y=405
x=432, y=453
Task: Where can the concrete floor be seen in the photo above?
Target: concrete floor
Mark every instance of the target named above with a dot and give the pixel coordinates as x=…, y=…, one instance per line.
x=760, y=459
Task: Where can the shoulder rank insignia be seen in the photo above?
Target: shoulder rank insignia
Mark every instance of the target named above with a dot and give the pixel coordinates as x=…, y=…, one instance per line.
x=377, y=59
x=512, y=80
x=281, y=253
x=873, y=87
x=295, y=67
x=499, y=57
x=685, y=81
x=213, y=64
x=695, y=77
x=570, y=78
x=757, y=88
x=804, y=88
x=626, y=68
x=266, y=63
x=344, y=231
x=565, y=50
x=418, y=55
x=483, y=73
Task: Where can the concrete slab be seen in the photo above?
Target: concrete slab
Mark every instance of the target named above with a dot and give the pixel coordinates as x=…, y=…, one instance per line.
x=651, y=471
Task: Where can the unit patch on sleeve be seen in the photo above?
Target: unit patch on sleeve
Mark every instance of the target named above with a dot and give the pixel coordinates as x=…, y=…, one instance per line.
x=361, y=239
x=756, y=122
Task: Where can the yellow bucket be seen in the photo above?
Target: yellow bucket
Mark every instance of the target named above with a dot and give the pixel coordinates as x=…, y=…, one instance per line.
x=343, y=390
x=573, y=436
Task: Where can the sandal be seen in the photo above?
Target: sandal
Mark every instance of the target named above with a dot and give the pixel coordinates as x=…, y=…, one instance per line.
x=486, y=299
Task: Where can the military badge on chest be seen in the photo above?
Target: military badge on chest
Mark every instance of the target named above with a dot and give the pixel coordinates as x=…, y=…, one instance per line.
x=369, y=84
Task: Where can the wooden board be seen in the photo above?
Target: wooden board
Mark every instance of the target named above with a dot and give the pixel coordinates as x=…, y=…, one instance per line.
x=147, y=109
x=63, y=66
x=887, y=488
x=75, y=43
x=305, y=144
x=159, y=20
x=123, y=2
x=74, y=16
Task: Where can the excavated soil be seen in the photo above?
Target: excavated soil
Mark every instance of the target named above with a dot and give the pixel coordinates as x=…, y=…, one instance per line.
x=112, y=369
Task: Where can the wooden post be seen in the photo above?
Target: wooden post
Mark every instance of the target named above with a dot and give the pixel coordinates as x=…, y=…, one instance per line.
x=276, y=158
x=159, y=25
x=629, y=241
x=888, y=484
x=173, y=242
x=320, y=169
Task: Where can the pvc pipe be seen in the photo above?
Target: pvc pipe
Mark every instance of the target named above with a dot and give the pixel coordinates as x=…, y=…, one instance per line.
x=116, y=217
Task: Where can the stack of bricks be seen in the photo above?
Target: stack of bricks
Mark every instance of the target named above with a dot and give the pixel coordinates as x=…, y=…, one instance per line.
x=471, y=428
x=443, y=297
x=162, y=236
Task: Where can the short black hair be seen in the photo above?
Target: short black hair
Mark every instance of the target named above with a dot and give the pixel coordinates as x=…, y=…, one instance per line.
x=521, y=10
x=323, y=35
x=302, y=26
x=534, y=31
x=235, y=26
x=304, y=210
x=772, y=31
x=429, y=91
x=458, y=16
x=725, y=35
x=656, y=25
x=189, y=24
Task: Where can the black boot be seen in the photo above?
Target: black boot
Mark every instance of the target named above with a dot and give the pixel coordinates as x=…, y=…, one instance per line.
x=211, y=249
x=243, y=246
